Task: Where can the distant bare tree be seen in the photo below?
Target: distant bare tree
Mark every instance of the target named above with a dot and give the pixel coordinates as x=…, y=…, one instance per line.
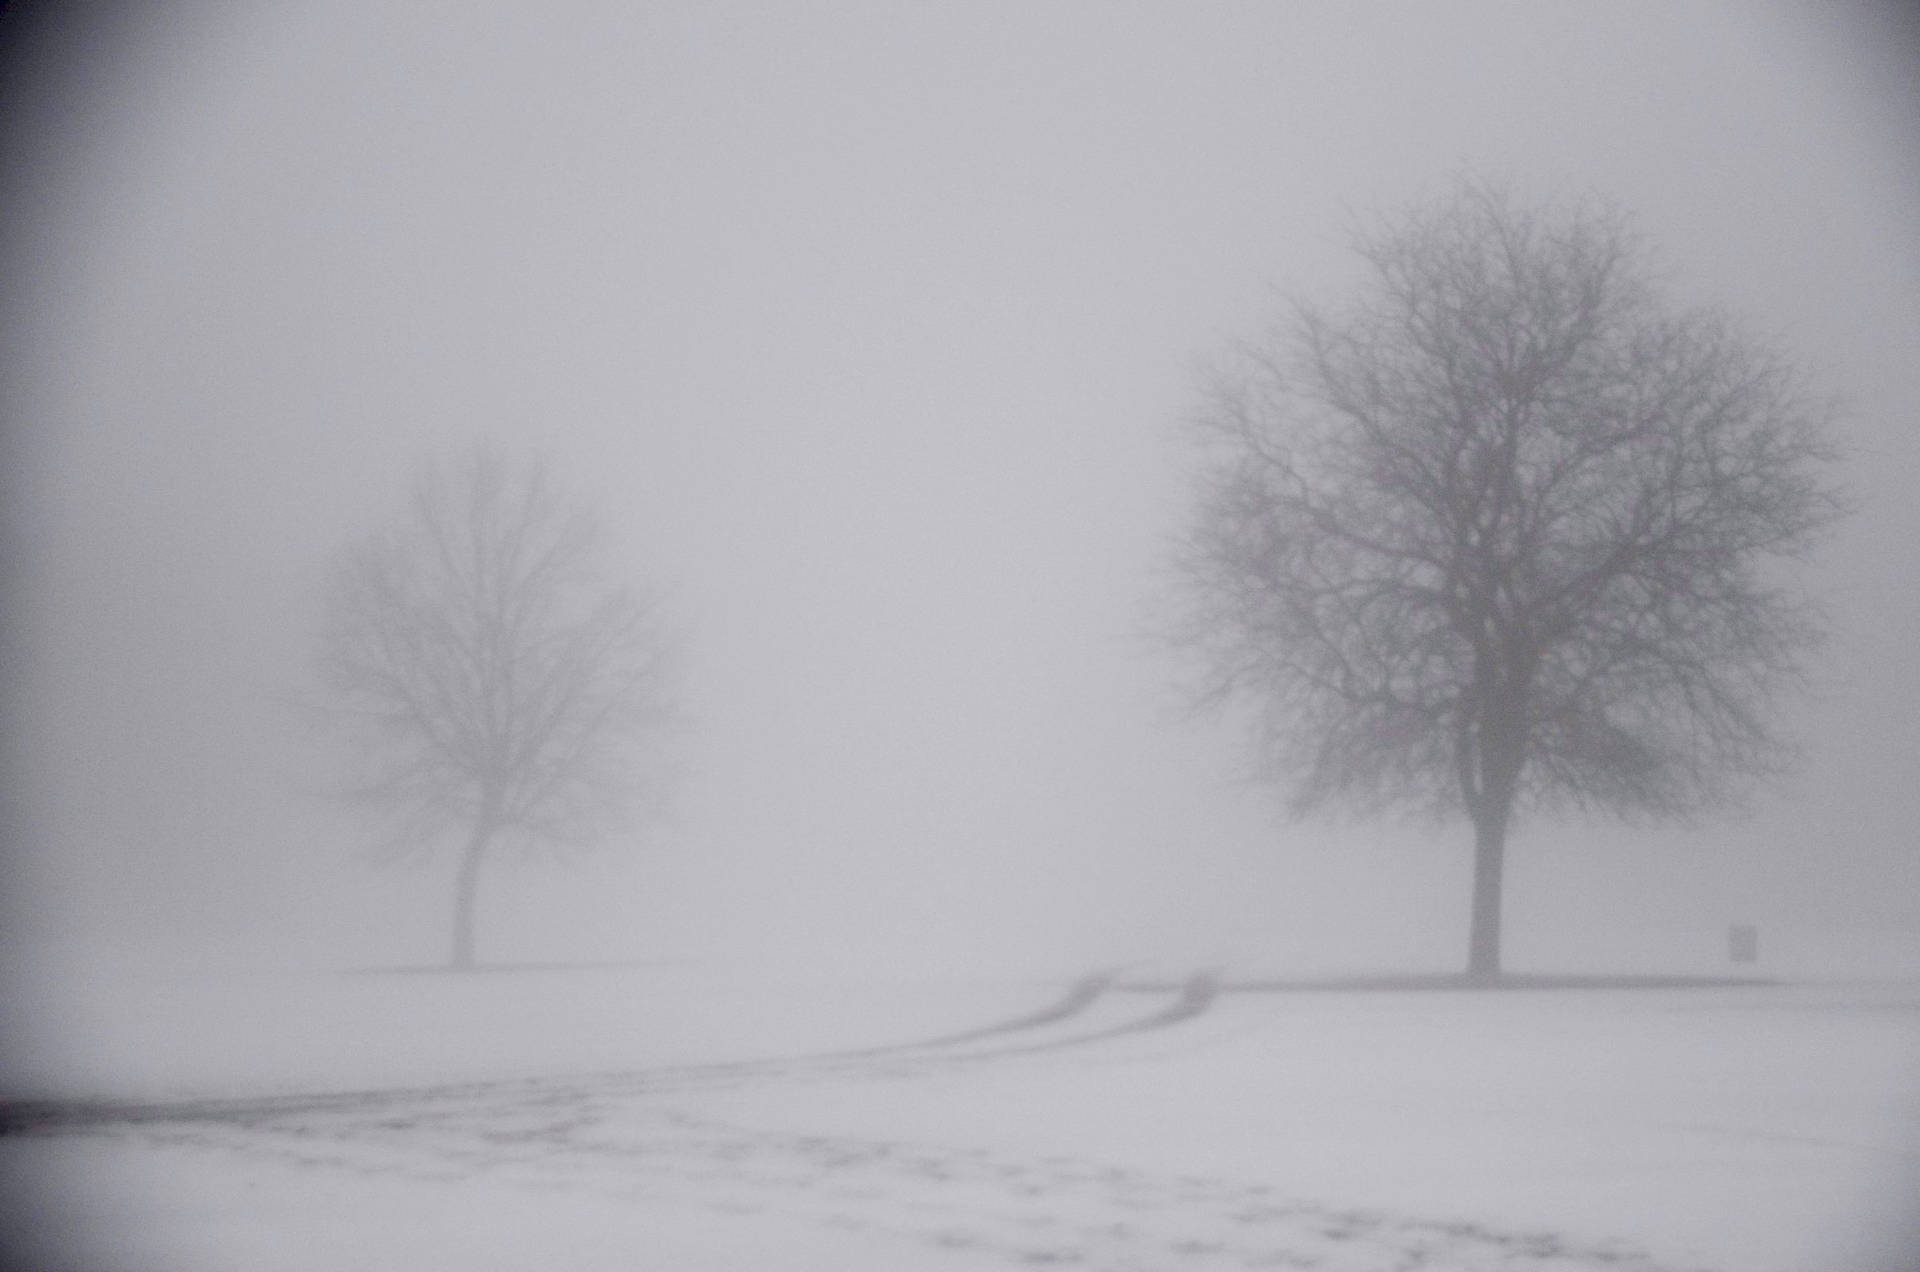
x=489, y=678
x=1503, y=532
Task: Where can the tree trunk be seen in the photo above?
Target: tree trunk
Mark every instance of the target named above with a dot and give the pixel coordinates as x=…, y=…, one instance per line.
x=1491, y=782
x=466, y=883
x=1489, y=861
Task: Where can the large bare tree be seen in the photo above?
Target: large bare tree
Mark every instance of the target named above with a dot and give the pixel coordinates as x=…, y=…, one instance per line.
x=492, y=680
x=1505, y=531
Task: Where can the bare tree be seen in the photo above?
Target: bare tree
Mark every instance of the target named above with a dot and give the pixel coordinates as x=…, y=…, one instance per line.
x=1505, y=532
x=490, y=680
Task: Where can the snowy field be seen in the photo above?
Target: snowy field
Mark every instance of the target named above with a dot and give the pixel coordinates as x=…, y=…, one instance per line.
x=678, y=1119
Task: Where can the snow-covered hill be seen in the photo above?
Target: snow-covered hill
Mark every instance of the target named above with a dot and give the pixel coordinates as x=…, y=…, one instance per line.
x=673, y=1118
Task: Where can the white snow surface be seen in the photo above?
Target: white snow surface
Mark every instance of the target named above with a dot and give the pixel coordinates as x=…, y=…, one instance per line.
x=683, y=1119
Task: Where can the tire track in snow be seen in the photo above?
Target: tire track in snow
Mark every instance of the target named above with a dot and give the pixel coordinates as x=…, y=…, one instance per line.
x=1079, y=997
x=1195, y=996
x=900, y=1059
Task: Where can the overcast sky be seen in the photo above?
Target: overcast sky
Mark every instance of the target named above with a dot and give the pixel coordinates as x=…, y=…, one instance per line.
x=869, y=328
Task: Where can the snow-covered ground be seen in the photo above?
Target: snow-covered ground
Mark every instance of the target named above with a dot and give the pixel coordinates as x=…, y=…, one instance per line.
x=679, y=1119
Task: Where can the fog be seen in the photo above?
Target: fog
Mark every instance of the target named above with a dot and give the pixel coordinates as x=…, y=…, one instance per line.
x=869, y=331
